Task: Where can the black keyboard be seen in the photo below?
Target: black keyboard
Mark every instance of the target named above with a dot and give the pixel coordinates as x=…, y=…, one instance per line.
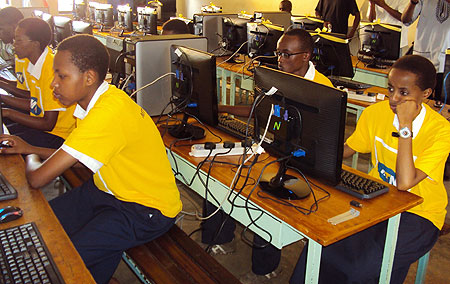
x=24, y=257
x=234, y=126
x=359, y=186
x=6, y=189
x=348, y=83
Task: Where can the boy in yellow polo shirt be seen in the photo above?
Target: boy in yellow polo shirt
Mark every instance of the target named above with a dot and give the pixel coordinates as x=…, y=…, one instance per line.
x=132, y=197
x=49, y=122
x=409, y=143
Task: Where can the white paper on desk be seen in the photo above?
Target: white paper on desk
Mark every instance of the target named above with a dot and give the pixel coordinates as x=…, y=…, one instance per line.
x=5, y=129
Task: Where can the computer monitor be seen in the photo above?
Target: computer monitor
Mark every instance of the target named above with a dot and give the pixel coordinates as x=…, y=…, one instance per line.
x=307, y=23
x=331, y=54
x=234, y=33
x=279, y=18
x=380, y=44
x=125, y=18
x=80, y=27
x=91, y=11
x=80, y=10
x=147, y=20
x=308, y=117
x=63, y=28
x=446, y=78
x=194, y=89
x=262, y=41
x=104, y=16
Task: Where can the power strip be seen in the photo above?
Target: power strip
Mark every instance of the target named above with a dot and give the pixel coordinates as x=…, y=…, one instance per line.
x=198, y=150
x=364, y=97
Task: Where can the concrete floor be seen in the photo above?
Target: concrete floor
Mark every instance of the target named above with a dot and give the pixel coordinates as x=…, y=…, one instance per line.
x=239, y=263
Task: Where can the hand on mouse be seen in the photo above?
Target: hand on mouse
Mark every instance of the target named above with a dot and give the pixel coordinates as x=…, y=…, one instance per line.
x=16, y=145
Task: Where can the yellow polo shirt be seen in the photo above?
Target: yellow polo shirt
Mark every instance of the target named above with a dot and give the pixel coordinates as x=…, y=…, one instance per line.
x=118, y=141
x=39, y=78
x=431, y=145
x=21, y=66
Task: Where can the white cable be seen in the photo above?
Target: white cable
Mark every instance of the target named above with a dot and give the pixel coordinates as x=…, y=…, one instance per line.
x=238, y=170
x=126, y=81
x=151, y=83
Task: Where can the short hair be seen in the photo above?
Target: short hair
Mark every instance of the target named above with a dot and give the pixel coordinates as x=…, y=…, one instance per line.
x=10, y=15
x=286, y=6
x=87, y=53
x=37, y=30
x=303, y=37
x=421, y=67
x=176, y=26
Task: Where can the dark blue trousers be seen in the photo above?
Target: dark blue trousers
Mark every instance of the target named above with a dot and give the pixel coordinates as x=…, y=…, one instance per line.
x=357, y=259
x=102, y=227
x=35, y=137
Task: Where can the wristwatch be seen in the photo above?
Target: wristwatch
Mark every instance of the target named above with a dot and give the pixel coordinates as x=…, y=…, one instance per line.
x=405, y=132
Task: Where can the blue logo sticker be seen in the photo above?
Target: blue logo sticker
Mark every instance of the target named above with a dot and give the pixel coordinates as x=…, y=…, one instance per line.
x=386, y=174
x=20, y=77
x=34, y=108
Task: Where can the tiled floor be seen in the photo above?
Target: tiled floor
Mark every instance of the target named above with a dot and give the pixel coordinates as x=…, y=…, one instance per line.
x=239, y=263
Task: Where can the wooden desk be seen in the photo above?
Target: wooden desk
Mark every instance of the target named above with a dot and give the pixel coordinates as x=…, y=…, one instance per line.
x=284, y=223
x=36, y=209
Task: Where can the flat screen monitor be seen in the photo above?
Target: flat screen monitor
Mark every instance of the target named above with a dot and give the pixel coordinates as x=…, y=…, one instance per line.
x=91, y=11
x=194, y=89
x=234, y=34
x=380, y=44
x=262, y=41
x=147, y=20
x=307, y=23
x=80, y=27
x=331, y=54
x=63, y=28
x=104, y=16
x=308, y=117
x=125, y=18
x=80, y=11
x=445, y=93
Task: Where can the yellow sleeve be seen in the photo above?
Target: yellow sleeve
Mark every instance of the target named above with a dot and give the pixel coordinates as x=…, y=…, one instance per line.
x=360, y=139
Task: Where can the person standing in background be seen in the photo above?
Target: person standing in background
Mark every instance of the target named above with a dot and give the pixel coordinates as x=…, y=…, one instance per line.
x=336, y=13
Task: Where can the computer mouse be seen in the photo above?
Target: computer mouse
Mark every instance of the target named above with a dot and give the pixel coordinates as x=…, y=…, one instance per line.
x=10, y=213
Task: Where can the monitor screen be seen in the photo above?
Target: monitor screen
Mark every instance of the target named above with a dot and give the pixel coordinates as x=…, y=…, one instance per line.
x=307, y=117
x=262, y=41
x=331, y=54
x=147, y=20
x=194, y=88
x=63, y=28
x=80, y=11
x=380, y=43
x=104, y=15
x=80, y=27
x=124, y=17
x=91, y=11
x=307, y=23
x=234, y=33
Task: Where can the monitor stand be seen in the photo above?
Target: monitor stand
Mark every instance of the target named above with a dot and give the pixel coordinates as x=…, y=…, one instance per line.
x=184, y=130
x=285, y=186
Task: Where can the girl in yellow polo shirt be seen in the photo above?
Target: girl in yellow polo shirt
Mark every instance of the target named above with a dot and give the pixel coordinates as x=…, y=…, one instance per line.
x=132, y=197
x=48, y=122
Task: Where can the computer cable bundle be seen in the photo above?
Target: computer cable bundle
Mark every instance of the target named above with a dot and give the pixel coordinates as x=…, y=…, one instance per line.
x=445, y=91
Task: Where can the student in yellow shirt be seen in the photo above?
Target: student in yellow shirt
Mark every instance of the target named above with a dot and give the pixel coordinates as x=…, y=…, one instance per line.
x=49, y=122
x=409, y=143
x=9, y=17
x=132, y=197
x=294, y=51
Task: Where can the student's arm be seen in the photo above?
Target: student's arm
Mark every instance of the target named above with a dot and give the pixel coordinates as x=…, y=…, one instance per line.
x=407, y=15
x=10, y=87
x=355, y=25
x=39, y=174
x=372, y=13
x=407, y=174
x=45, y=123
x=394, y=13
x=20, y=103
x=348, y=152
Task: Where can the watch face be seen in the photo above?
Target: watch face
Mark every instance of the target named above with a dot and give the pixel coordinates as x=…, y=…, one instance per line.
x=405, y=132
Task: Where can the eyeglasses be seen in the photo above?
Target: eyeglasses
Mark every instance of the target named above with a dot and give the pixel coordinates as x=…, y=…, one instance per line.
x=286, y=54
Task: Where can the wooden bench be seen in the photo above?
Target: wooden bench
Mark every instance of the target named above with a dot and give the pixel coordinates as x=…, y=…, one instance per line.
x=172, y=258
